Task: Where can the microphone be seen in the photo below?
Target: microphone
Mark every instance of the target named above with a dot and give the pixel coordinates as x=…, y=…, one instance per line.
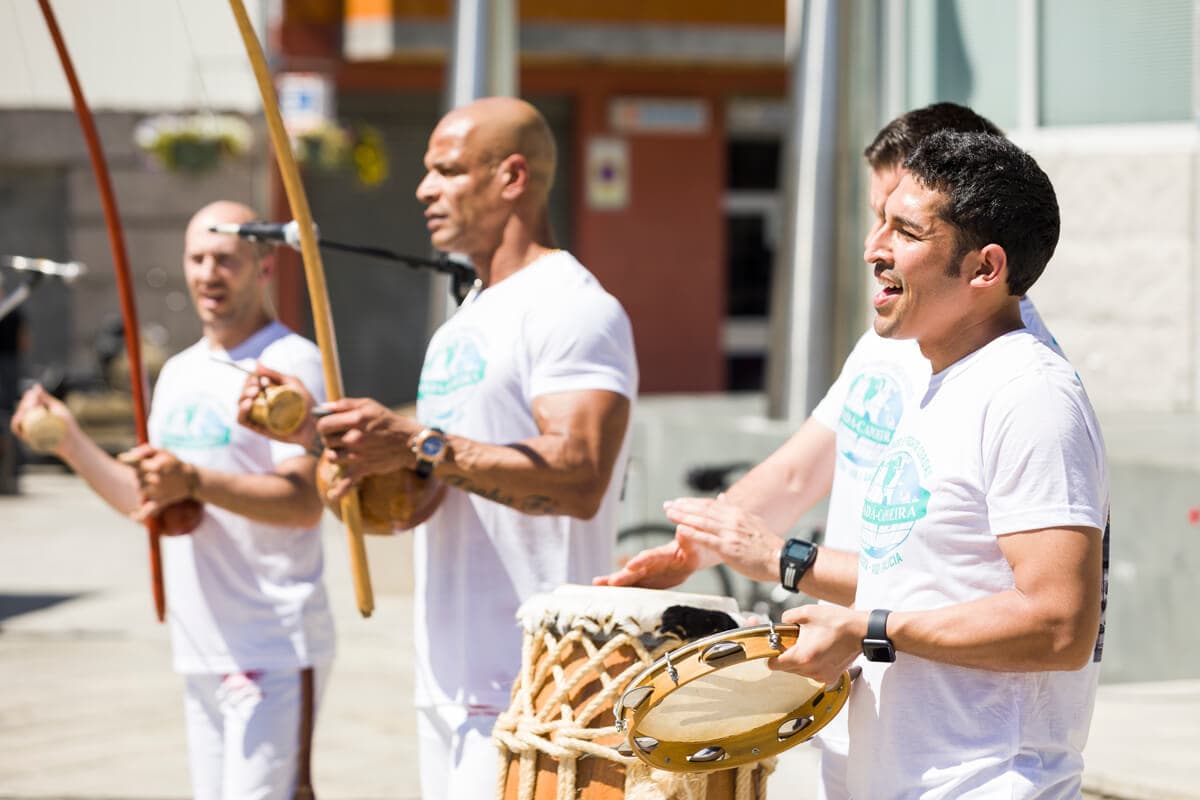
x=37, y=268
x=286, y=232
x=68, y=271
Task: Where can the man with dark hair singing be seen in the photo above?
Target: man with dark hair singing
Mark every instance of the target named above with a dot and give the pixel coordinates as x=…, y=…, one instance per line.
x=976, y=593
x=835, y=451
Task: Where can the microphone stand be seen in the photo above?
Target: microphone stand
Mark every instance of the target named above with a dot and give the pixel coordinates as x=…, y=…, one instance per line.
x=36, y=269
x=462, y=276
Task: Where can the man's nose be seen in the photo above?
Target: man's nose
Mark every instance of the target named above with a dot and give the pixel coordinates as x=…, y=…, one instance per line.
x=205, y=267
x=426, y=189
x=875, y=244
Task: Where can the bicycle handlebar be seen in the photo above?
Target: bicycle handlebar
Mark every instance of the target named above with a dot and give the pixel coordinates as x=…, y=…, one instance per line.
x=715, y=477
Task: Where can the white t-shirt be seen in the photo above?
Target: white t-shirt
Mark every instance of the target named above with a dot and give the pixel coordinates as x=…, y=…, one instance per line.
x=548, y=328
x=1003, y=441
x=241, y=595
x=880, y=379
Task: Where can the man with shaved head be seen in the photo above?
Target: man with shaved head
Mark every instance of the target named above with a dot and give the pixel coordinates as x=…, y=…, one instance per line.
x=250, y=623
x=523, y=410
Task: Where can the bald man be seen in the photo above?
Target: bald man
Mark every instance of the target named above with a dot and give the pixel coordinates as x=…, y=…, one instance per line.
x=523, y=410
x=250, y=624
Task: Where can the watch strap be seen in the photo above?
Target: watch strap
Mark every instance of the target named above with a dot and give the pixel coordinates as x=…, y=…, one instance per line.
x=876, y=645
x=877, y=624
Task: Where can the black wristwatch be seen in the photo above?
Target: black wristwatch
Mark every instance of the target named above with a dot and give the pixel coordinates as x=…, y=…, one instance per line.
x=430, y=448
x=795, y=559
x=876, y=645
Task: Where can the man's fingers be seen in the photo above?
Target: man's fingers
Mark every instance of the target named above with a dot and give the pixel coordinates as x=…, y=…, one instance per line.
x=698, y=537
x=797, y=616
x=136, y=455
x=683, y=516
x=339, y=489
x=621, y=577
x=270, y=374
x=333, y=422
x=147, y=510
x=250, y=390
x=649, y=557
x=689, y=505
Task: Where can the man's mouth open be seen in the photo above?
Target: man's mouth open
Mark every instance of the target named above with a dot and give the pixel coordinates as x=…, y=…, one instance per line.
x=888, y=288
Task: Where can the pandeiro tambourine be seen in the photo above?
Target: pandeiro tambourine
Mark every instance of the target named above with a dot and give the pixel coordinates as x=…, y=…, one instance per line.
x=714, y=704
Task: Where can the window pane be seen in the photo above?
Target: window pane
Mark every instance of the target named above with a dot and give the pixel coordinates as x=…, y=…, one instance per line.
x=750, y=261
x=1115, y=61
x=753, y=164
x=964, y=51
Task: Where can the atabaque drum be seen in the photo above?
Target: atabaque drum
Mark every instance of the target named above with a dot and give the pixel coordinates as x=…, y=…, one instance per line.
x=582, y=647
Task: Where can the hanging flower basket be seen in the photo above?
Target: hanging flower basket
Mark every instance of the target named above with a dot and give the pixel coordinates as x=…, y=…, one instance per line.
x=331, y=147
x=193, y=143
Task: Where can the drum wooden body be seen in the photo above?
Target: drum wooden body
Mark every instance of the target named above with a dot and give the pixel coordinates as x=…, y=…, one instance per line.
x=713, y=703
x=582, y=647
x=393, y=502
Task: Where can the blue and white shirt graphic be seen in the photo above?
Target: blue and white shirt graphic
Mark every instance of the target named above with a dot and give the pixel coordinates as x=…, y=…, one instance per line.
x=454, y=364
x=896, y=500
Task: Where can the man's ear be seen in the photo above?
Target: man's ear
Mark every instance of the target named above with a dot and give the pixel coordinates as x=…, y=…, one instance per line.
x=991, y=267
x=266, y=265
x=514, y=172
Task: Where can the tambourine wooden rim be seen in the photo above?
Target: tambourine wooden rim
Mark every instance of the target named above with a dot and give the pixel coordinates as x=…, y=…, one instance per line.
x=808, y=713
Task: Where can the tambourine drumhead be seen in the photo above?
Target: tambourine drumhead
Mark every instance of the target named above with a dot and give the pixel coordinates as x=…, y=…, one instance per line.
x=724, y=707
x=699, y=711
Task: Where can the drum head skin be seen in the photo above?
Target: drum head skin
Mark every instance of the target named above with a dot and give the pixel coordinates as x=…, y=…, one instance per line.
x=714, y=704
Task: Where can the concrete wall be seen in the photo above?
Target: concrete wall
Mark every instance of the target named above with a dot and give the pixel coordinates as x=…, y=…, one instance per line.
x=47, y=175
x=1122, y=293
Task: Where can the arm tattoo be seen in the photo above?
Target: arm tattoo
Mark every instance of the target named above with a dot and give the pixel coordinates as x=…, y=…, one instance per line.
x=534, y=504
x=538, y=504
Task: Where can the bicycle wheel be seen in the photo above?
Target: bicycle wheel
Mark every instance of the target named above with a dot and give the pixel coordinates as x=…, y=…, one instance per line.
x=631, y=541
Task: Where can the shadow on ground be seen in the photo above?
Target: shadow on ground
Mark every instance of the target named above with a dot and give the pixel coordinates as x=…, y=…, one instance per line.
x=14, y=605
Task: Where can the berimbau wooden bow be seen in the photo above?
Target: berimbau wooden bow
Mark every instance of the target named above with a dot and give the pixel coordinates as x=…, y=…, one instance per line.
x=116, y=241
x=314, y=273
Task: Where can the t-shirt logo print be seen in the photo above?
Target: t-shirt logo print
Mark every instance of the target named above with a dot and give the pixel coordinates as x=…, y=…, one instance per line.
x=198, y=426
x=869, y=418
x=451, y=367
x=894, y=503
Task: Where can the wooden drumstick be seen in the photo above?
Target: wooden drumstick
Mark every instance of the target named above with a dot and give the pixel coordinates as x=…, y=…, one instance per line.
x=42, y=429
x=279, y=409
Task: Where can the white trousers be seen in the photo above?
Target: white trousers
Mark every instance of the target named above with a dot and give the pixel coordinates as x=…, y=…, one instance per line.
x=458, y=759
x=244, y=732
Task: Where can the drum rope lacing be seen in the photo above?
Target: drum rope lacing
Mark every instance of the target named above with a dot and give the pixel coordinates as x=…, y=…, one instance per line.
x=562, y=733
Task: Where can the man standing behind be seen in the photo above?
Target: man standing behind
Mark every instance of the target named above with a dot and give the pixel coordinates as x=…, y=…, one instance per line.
x=250, y=623
x=523, y=405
